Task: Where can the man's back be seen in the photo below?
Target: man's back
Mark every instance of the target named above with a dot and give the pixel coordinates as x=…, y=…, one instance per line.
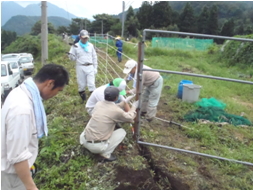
x=104, y=117
x=96, y=96
x=119, y=43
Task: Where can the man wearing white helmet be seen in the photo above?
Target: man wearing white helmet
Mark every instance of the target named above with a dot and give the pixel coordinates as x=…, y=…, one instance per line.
x=152, y=83
x=86, y=63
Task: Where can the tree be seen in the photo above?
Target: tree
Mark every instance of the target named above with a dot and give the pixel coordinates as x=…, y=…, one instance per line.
x=62, y=29
x=187, y=19
x=174, y=17
x=144, y=15
x=213, y=21
x=116, y=29
x=228, y=28
x=7, y=37
x=103, y=20
x=131, y=23
x=36, y=29
x=51, y=29
x=161, y=14
x=130, y=13
x=249, y=30
x=202, y=22
x=240, y=30
x=77, y=24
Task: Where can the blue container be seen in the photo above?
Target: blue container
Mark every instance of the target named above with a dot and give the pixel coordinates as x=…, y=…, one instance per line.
x=180, y=87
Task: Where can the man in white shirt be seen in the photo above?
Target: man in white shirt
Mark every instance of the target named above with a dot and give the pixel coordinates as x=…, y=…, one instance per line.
x=23, y=122
x=85, y=56
x=98, y=94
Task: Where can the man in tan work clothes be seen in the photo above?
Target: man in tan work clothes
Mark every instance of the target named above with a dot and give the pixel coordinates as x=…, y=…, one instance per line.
x=99, y=135
x=152, y=83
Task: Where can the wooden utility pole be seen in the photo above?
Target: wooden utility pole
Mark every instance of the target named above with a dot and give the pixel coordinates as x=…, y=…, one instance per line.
x=123, y=19
x=44, y=33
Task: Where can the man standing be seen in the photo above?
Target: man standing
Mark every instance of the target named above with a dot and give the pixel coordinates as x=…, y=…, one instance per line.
x=23, y=122
x=152, y=83
x=99, y=135
x=119, y=45
x=86, y=64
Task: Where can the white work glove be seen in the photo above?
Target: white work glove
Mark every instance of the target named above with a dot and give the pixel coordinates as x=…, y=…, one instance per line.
x=95, y=71
x=135, y=103
x=127, y=100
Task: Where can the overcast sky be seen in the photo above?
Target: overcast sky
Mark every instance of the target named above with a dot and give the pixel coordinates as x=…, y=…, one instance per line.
x=88, y=8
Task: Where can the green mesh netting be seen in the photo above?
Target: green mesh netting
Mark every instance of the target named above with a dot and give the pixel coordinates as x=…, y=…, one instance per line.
x=182, y=43
x=210, y=102
x=213, y=110
x=216, y=114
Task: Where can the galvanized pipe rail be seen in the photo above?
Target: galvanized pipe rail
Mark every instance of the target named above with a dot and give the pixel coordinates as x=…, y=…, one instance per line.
x=139, y=87
x=198, y=75
x=193, y=152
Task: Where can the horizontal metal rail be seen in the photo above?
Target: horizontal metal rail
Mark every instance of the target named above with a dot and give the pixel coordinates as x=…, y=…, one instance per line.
x=196, y=34
x=198, y=75
x=196, y=153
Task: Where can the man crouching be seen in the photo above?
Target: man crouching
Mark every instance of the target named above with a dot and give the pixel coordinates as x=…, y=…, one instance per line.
x=99, y=135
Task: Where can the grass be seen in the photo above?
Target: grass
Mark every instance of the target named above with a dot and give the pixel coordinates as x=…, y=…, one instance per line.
x=64, y=164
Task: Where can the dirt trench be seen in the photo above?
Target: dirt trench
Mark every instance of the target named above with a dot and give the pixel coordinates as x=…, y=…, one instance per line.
x=130, y=179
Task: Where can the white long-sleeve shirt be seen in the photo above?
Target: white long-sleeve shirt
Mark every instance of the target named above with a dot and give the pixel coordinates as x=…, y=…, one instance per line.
x=18, y=130
x=80, y=56
x=98, y=95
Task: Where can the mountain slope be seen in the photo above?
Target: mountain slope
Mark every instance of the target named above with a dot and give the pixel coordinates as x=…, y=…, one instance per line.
x=10, y=9
x=23, y=24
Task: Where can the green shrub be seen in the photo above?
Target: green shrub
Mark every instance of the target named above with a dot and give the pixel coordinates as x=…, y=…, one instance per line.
x=238, y=53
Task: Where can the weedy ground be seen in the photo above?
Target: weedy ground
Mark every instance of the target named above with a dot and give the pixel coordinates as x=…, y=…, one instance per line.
x=64, y=164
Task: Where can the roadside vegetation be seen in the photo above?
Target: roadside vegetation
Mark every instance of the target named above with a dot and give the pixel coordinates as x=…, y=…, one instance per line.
x=64, y=164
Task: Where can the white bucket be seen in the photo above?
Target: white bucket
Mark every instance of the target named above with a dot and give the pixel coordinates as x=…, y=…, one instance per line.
x=191, y=92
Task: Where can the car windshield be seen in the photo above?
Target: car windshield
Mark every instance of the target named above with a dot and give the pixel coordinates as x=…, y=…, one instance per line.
x=10, y=56
x=25, y=60
x=14, y=65
x=3, y=70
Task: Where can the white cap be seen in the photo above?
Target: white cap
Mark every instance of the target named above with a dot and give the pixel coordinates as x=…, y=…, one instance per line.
x=130, y=64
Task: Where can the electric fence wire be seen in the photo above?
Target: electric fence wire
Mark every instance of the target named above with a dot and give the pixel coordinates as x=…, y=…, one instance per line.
x=97, y=41
x=121, y=69
x=113, y=70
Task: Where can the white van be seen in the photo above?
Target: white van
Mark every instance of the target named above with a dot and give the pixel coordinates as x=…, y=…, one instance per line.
x=16, y=67
x=9, y=79
x=27, y=64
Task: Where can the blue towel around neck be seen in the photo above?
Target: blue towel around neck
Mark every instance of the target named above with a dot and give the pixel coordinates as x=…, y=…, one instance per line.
x=39, y=111
x=84, y=46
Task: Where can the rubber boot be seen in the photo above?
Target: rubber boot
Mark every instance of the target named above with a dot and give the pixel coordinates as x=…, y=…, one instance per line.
x=82, y=95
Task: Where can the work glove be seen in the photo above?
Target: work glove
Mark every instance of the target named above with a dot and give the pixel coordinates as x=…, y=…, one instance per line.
x=95, y=71
x=135, y=104
x=127, y=100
